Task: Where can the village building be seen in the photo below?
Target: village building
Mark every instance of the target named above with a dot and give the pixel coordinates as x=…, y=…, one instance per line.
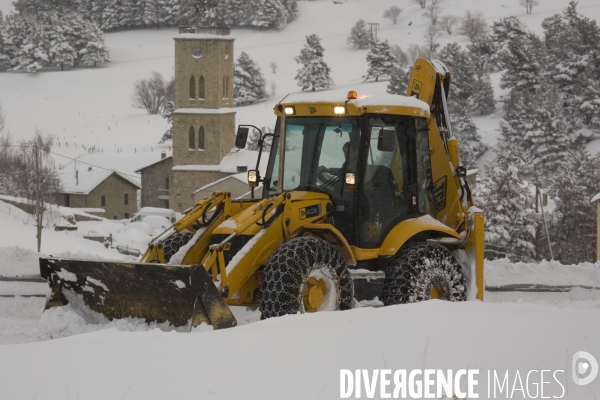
x=155, y=182
x=106, y=193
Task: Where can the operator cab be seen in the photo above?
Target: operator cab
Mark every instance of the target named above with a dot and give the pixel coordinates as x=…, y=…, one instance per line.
x=387, y=155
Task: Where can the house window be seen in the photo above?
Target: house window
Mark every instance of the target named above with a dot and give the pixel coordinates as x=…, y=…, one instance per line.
x=201, y=93
x=126, y=215
x=102, y=200
x=167, y=182
x=201, y=138
x=125, y=198
x=192, y=135
x=225, y=88
x=116, y=216
x=192, y=88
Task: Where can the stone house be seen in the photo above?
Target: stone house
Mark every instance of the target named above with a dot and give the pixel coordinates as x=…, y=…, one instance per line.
x=156, y=182
x=98, y=190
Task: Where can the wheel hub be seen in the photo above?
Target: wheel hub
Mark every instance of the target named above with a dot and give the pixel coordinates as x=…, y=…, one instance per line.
x=313, y=294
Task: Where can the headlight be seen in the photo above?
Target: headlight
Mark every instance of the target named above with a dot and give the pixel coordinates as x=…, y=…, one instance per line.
x=339, y=110
x=290, y=111
x=253, y=178
x=350, y=180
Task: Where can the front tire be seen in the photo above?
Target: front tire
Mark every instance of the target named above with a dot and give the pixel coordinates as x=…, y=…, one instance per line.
x=305, y=274
x=422, y=271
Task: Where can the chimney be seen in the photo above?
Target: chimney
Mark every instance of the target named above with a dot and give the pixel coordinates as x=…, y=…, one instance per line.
x=242, y=168
x=163, y=154
x=76, y=177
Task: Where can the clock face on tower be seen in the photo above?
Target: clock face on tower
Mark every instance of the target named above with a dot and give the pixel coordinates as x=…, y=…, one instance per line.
x=197, y=52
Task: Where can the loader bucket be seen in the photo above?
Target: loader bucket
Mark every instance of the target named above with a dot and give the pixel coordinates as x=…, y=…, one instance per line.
x=175, y=294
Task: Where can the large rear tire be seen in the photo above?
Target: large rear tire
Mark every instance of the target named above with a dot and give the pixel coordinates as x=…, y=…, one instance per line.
x=423, y=271
x=305, y=274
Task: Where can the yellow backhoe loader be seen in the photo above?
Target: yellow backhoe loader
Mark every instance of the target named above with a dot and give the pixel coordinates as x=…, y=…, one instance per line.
x=363, y=197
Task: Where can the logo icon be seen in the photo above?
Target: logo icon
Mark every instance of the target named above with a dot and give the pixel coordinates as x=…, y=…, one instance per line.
x=584, y=368
x=312, y=110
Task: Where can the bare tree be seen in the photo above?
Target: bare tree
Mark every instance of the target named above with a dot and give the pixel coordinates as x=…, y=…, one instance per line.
x=433, y=13
x=448, y=22
x=392, y=13
x=415, y=51
x=2, y=119
x=432, y=34
x=436, y=1
x=422, y=3
x=529, y=4
x=153, y=94
x=473, y=25
x=400, y=55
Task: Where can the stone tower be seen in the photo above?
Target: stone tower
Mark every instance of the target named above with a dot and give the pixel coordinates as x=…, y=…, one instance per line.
x=204, y=119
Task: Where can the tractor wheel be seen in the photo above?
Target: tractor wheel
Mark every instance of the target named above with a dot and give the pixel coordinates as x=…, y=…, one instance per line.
x=305, y=274
x=421, y=272
x=173, y=243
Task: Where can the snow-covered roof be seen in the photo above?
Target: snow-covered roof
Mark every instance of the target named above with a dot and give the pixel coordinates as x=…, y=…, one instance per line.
x=88, y=178
x=364, y=100
x=235, y=158
x=209, y=111
x=154, y=163
x=595, y=198
x=242, y=177
x=203, y=36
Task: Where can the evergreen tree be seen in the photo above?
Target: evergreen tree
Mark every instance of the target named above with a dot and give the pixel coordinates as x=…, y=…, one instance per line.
x=95, y=50
x=359, y=35
x=535, y=122
x=399, y=78
x=248, y=82
x=168, y=115
x=315, y=72
x=292, y=8
x=269, y=14
x=380, y=59
x=524, y=63
x=507, y=202
x=469, y=140
x=60, y=51
x=573, y=235
x=505, y=31
x=471, y=86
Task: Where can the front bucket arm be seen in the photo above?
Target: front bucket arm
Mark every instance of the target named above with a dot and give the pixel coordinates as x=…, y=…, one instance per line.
x=179, y=295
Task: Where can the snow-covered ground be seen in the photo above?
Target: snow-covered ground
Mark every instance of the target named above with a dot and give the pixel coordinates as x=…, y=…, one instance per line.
x=294, y=357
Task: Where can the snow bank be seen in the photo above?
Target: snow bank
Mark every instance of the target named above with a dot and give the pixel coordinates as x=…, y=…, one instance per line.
x=551, y=273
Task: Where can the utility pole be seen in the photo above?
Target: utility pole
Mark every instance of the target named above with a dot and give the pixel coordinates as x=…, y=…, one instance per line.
x=38, y=211
x=537, y=228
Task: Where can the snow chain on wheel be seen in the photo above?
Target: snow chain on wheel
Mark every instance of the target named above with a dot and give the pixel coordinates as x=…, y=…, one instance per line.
x=302, y=273
x=420, y=269
x=173, y=243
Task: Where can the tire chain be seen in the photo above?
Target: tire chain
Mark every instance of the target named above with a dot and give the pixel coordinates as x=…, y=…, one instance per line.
x=173, y=243
x=413, y=272
x=288, y=270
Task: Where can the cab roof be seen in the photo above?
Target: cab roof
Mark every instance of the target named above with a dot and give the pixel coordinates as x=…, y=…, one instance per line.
x=322, y=103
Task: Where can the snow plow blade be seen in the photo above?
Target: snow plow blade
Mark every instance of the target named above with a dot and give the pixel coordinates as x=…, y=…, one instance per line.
x=175, y=294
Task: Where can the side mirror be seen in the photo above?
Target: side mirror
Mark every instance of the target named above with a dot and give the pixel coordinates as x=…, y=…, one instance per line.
x=241, y=137
x=386, y=140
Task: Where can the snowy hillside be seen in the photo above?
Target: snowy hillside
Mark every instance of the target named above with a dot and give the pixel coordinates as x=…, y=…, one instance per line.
x=535, y=319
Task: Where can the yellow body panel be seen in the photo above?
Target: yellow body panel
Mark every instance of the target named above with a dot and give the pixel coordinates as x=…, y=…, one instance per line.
x=409, y=228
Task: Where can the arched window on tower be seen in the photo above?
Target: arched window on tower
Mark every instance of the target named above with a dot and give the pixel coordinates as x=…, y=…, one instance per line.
x=201, y=93
x=201, y=138
x=192, y=139
x=192, y=88
x=225, y=87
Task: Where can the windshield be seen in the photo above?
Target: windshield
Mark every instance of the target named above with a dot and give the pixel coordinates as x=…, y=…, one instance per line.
x=315, y=153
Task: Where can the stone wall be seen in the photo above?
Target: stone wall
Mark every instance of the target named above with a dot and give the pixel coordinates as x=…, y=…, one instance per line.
x=185, y=183
x=114, y=187
x=155, y=177
x=219, y=137
x=213, y=62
